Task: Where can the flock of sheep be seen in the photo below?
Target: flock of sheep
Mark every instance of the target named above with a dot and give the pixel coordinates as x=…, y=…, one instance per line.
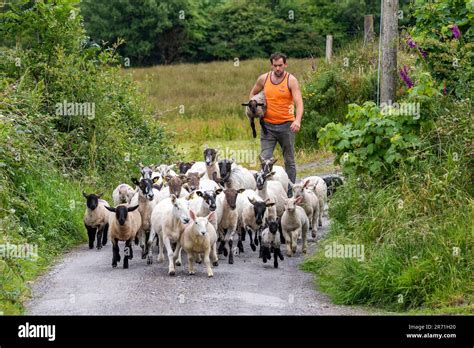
x=204, y=208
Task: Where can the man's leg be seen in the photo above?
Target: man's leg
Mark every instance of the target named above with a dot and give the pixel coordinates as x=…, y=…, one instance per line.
x=286, y=139
x=268, y=142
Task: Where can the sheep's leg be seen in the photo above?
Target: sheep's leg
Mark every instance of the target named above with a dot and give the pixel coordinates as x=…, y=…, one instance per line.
x=169, y=250
x=314, y=224
x=288, y=242
x=161, y=256
x=275, y=257
x=178, y=261
x=321, y=212
x=99, y=238
x=142, y=243
x=105, y=233
x=231, y=254
x=177, y=254
x=151, y=238
x=252, y=125
x=91, y=235
x=214, y=258
x=242, y=233
x=249, y=231
x=262, y=125
x=191, y=269
x=294, y=240
x=115, y=253
x=255, y=241
x=126, y=252
x=280, y=229
x=207, y=262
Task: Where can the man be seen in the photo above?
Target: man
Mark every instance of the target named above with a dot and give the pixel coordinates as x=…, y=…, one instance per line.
x=282, y=93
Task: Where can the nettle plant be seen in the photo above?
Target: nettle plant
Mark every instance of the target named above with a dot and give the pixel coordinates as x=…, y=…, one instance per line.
x=371, y=141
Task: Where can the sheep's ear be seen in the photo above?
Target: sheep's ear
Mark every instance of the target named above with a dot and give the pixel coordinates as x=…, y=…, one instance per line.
x=85, y=195
x=183, y=178
x=205, y=147
x=192, y=215
x=190, y=196
x=199, y=193
x=140, y=165
x=298, y=199
x=167, y=177
x=245, y=104
x=270, y=174
x=111, y=209
x=129, y=209
x=173, y=198
x=306, y=183
x=260, y=104
x=274, y=160
x=100, y=195
x=218, y=191
x=251, y=200
x=155, y=179
x=270, y=204
x=232, y=160
x=291, y=184
x=135, y=181
x=240, y=190
x=261, y=158
x=186, y=187
x=211, y=217
x=201, y=175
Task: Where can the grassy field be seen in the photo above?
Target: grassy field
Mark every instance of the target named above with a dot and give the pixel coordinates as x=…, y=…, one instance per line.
x=201, y=104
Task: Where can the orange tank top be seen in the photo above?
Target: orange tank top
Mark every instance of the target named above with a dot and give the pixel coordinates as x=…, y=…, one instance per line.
x=279, y=99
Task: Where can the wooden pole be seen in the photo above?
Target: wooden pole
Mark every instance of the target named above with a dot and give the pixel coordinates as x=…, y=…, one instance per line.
x=389, y=51
x=328, y=48
x=368, y=28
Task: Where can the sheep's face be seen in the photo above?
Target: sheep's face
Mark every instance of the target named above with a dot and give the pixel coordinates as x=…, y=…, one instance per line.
x=193, y=180
x=92, y=200
x=231, y=197
x=299, y=189
x=209, y=197
x=146, y=187
x=272, y=225
x=164, y=169
x=267, y=164
x=121, y=212
x=291, y=203
x=146, y=172
x=210, y=156
x=185, y=166
x=225, y=167
x=261, y=178
x=180, y=209
x=259, y=208
x=200, y=226
x=175, y=184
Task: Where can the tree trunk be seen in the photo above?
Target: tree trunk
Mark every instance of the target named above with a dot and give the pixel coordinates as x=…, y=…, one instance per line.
x=389, y=51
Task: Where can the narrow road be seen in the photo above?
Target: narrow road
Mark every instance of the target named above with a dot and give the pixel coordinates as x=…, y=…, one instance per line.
x=83, y=282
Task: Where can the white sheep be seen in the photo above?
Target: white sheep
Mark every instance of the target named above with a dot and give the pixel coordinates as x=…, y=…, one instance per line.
x=271, y=242
x=320, y=188
x=123, y=193
x=280, y=175
x=235, y=176
x=293, y=223
x=124, y=225
x=96, y=219
x=273, y=190
x=209, y=167
x=228, y=218
x=198, y=240
x=310, y=204
x=168, y=221
x=256, y=108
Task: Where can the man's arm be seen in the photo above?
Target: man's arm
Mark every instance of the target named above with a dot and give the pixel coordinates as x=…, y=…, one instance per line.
x=257, y=88
x=298, y=100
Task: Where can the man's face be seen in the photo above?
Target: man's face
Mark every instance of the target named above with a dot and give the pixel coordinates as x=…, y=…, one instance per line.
x=278, y=67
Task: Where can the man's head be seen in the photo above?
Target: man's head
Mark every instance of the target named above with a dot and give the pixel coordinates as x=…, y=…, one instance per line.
x=278, y=61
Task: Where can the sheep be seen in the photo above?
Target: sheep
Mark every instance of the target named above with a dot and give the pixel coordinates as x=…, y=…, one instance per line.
x=193, y=180
x=209, y=166
x=267, y=166
x=96, y=219
x=294, y=222
x=123, y=227
x=256, y=108
x=145, y=198
x=199, y=239
x=319, y=187
x=168, y=221
x=228, y=221
x=175, y=187
x=183, y=167
x=252, y=211
x=236, y=177
x=145, y=171
x=271, y=242
x=332, y=181
x=123, y=193
x=164, y=170
x=271, y=189
x=310, y=203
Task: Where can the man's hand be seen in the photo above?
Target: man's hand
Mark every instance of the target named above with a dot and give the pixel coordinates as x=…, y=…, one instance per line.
x=295, y=126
